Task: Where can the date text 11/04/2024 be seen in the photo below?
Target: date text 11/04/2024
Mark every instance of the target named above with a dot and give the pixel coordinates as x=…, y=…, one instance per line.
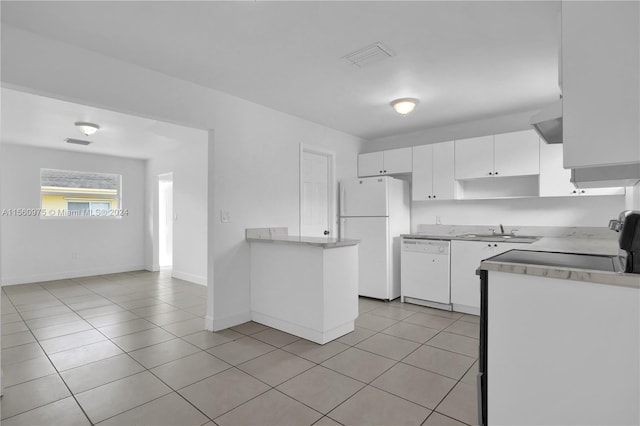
x=31, y=212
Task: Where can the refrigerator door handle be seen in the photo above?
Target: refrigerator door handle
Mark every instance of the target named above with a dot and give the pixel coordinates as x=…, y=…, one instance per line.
x=342, y=230
x=342, y=200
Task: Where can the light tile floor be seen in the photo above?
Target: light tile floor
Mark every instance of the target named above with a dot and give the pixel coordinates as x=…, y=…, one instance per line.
x=130, y=348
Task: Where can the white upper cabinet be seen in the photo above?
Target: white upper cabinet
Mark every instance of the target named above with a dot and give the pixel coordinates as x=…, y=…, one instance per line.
x=516, y=153
x=601, y=87
x=397, y=161
x=555, y=181
x=370, y=164
x=474, y=157
x=506, y=154
x=433, y=176
x=394, y=161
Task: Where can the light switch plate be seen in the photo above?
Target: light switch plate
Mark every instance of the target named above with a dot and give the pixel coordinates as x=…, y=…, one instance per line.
x=225, y=216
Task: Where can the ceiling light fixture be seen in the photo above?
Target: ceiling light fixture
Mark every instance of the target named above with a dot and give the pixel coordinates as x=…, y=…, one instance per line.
x=404, y=105
x=86, y=128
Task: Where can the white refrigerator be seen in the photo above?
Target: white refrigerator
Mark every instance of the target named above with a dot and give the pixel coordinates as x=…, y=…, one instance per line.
x=376, y=210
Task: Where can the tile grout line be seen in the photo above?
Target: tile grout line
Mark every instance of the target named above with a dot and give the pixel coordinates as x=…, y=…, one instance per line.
x=56, y=372
x=365, y=384
x=95, y=328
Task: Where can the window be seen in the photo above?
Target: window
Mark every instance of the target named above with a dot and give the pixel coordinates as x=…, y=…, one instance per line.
x=77, y=194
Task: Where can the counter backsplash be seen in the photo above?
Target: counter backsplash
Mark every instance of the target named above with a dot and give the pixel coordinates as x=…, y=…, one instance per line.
x=590, y=232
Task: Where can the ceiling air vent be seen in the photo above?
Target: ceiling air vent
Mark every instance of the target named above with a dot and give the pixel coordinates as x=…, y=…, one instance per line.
x=77, y=141
x=368, y=55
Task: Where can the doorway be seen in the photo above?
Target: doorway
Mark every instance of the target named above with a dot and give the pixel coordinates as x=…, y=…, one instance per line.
x=317, y=196
x=165, y=220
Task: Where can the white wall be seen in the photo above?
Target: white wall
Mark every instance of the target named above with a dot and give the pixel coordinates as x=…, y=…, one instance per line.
x=35, y=249
x=189, y=167
x=253, y=152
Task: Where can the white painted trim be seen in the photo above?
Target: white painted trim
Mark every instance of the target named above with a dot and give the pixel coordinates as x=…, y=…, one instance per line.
x=208, y=323
x=70, y=274
x=192, y=278
x=152, y=268
x=331, y=190
x=230, y=320
x=304, y=332
x=465, y=309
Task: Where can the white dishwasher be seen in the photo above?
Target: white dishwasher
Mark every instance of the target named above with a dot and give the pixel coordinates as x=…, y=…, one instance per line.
x=424, y=272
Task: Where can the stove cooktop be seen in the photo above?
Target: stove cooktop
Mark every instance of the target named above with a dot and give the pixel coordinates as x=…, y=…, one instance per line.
x=594, y=262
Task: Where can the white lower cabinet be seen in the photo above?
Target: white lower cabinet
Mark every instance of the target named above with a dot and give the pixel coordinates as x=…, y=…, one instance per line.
x=465, y=259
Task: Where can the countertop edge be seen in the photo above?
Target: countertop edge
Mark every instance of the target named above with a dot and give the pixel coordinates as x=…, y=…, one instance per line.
x=514, y=239
x=308, y=241
x=598, y=277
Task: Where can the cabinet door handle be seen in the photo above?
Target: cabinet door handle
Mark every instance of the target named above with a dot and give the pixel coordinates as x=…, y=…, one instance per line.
x=380, y=171
x=429, y=196
x=488, y=245
x=573, y=192
x=385, y=171
x=490, y=174
x=495, y=173
x=582, y=192
x=434, y=196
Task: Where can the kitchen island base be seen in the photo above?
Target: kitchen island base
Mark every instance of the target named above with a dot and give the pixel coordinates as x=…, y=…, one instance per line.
x=308, y=290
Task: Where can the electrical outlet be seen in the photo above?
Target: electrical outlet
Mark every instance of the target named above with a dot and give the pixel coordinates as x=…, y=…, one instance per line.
x=225, y=216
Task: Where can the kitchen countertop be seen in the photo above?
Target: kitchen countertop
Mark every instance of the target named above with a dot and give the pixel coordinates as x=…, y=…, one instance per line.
x=474, y=237
x=322, y=242
x=575, y=274
x=579, y=240
x=593, y=240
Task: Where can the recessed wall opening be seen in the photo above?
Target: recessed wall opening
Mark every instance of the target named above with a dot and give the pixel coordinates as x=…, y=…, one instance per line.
x=165, y=220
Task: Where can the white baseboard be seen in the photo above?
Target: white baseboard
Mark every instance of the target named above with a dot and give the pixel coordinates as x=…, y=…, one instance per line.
x=318, y=336
x=78, y=273
x=152, y=268
x=229, y=321
x=192, y=278
x=466, y=309
x=208, y=323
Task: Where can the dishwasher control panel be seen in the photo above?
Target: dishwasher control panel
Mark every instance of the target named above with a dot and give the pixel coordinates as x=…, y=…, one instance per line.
x=425, y=246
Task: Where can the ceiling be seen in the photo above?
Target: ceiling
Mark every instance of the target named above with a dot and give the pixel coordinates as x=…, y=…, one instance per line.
x=44, y=122
x=463, y=60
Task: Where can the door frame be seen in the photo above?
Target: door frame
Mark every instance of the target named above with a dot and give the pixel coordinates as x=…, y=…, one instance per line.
x=332, y=195
x=159, y=178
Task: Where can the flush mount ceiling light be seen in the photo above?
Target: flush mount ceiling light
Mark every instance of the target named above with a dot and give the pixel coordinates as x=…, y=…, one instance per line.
x=404, y=105
x=86, y=128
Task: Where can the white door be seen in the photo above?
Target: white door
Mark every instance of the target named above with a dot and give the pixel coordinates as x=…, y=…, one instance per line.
x=373, y=253
x=422, y=185
x=517, y=153
x=314, y=194
x=474, y=157
x=165, y=220
x=364, y=197
x=370, y=164
x=397, y=161
x=444, y=187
